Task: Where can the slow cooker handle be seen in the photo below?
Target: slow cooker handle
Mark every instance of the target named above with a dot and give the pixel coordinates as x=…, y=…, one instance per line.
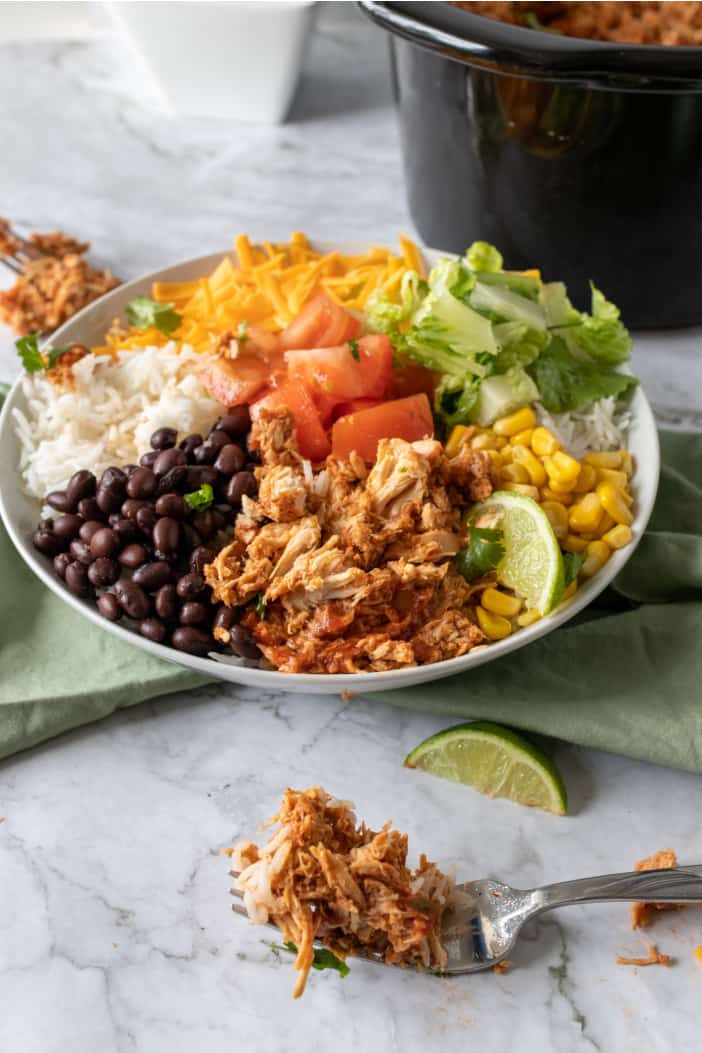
x=413, y=29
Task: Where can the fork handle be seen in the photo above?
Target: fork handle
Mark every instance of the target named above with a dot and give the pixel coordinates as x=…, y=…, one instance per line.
x=676, y=885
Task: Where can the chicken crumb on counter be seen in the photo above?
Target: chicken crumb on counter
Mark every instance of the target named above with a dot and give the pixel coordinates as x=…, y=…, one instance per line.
x=642, y=913
x=654, y=958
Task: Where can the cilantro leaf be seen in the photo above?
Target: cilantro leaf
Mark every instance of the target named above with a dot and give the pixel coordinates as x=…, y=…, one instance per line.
x=143, y=312
x=353, y=344
x=242, y=332
x=323, y=958
x=572, y=562
x=199, y=500
x=566, y=383
x=260, y=606
x=484, y=552
x=28, y=350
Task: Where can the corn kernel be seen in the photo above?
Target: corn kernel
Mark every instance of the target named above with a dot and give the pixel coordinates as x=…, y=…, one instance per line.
x=562, y=468
x=619, y=536
x=604, y=459
x=494, y=626
x=522, y=455
x=547, y=494
x=570, y=590
x=557, y=516
x=528, y=618
x=605, y=524
x=698, y=954
x=574, y=543
x=516, y=422
x=598, y=552
x=482, y=442
x=544, y=443
x=612, y=501
x=514, y=473
x=627, y=463
x=500, y=603
x=560, y=488
x=586, y=480
x=613, y=476
x=501, y=442
x=522, y=488
x=455, y=440
x=523, y=438
x=495, y=457
x=586, y=514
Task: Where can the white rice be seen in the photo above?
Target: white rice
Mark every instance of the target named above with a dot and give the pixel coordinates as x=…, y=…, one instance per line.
x=601, y=425
x=110, y=414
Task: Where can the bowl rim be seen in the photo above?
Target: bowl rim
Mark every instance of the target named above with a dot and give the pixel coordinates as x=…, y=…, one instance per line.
x=12, y=498
x=467, y=37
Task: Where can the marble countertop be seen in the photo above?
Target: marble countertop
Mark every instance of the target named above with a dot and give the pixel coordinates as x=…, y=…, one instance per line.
x=115, y=929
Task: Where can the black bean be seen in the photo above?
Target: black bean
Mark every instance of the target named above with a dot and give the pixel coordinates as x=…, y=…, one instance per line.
x=133, y=556
x=166, y=535
x=204, y=523
x=225, y=617
x=132, y=599
x=89, y=509
x=109, y=607
x=199, y=558
x=168, y=459
x=67, y=525
x=151, y=576
x=236, y=423
x=146, y=519
x=131, y=506
x=218, y=438
x=240, y=484
x=166, y=602
x=189, y=443
x=103, y=572
x=163, y=438
x=198, y=475
x=147, y=460
x=76, y=578
x=153, y=629
x=126, y=530
x=88, y=529
x=171, y=505
x=175, y=479
x=109, y=498
x=193, y=640
x=114, y=517
x=242, y=643
x=206, y=453
x=191, y=536
x=194, y=613
x=61, y=562
x=80, y=485
x=142, y=483
x=231, y=459
x=58, y=500
x=218, y=519
x=114, y=478
x=104, y=542
x=80, y=551
x=129, y=470
x=190, y=585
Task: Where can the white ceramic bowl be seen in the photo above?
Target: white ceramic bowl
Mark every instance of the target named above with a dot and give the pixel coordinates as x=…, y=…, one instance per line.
x=20, y=514
x=232, y=59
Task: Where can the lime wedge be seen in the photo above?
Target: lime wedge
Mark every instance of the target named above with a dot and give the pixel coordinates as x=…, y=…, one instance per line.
x=532, y=564
x=495, y=761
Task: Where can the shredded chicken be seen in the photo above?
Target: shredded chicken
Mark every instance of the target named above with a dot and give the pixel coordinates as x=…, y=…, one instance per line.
x=642, y=913
x=324, y=877
x=654, y=958
x=354, y=567
x=53, y=287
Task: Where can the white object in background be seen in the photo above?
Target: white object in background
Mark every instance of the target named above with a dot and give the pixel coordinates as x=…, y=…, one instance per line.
x=231, y=59
x=44, y=20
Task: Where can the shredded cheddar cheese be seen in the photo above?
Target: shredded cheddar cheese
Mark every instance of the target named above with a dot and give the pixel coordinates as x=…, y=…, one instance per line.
x=268, y=285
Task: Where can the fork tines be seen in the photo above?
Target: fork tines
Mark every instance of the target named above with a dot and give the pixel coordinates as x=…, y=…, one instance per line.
x=16, y=260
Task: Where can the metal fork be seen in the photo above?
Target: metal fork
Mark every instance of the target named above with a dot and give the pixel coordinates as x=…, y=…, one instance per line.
x=484, y=932
x=27, y=251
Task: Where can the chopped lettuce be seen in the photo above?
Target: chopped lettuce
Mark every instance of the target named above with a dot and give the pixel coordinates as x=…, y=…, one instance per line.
x=502, y=304
x=484, y=257
x=567, y=383
x=502, y=394
x=384, y=316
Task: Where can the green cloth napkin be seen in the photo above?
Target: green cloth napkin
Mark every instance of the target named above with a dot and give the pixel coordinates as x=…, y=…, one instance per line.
x=624, y=676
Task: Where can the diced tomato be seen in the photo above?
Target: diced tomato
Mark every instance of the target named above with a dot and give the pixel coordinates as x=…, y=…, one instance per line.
x=408, y=419
x=261, y=340
x=340, y=374
x=354, y=406
x=411, y=380
x=320, y=323
x=312, y=440
x=238, y=380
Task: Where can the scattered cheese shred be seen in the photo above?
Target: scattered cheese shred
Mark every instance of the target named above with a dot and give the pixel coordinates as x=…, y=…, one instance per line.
x=268, y=285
